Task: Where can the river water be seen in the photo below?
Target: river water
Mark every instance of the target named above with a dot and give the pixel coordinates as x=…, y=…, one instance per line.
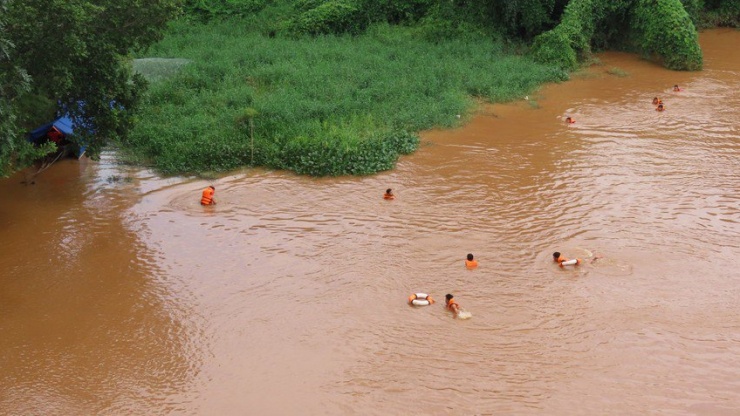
x=121, y=295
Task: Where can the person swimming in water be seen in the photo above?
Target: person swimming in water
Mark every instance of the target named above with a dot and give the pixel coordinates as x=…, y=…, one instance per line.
x=570, y=120
x=207, y=198
x=660, y=107
x=470, y=263
x=676, y=89
x=656, y=100
x=560, y=259
x=451, y=304
x=389, y=194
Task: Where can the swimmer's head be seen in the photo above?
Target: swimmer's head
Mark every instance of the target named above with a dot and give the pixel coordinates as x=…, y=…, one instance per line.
x=448, y=297
x=556, y=255
x=388, y=191
x=470, y=256
x=212, y=187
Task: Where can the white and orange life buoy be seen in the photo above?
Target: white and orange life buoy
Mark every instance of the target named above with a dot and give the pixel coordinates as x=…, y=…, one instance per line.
x=420, y=299
x=574, y=262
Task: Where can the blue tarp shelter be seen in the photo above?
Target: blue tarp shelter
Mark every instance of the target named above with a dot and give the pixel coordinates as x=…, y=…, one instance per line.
x=50, y=131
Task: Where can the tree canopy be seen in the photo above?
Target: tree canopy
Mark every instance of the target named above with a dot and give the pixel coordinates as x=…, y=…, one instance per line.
x=55, y=54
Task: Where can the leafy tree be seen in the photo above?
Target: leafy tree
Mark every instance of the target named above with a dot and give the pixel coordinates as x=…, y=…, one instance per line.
x=77, y=51
x=14, y=82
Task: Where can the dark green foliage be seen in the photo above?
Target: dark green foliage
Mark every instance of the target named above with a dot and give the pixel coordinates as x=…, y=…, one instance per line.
x=207, y=9
x=524, y=18
x=570, y=40
x=693, y=8
x=330, y=17
x=77, y=50
x=663, y=29
x=610, y=24
x=332, y=154
x=320, y=106
x=721, y=13
x=554, y=48
x=657, y=28
x=15, y=151
x=394, y=11
x=322, y=17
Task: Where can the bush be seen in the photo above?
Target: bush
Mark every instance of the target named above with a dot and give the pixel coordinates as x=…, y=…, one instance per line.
x=693, y=8
x=207, y=9
x=721, y=13
x=570, y=40
x=332, y=17
x=335, y=154
x=663, y=29
x=657, y=28
x=554, y=48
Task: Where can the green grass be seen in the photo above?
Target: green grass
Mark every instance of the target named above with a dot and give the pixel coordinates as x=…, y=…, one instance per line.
x=318, y=106
x=617, y=72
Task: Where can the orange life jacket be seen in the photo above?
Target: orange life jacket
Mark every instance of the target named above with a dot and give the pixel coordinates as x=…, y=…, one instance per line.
x=389, y=196
x=450, y=303
x=471, y=264
x=207, y=198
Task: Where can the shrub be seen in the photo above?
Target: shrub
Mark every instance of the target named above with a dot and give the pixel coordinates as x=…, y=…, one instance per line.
x=207, y=9
x=721, y=13
x=570, y=40
x=331, y=17
x=663, y=29
x=554, y=48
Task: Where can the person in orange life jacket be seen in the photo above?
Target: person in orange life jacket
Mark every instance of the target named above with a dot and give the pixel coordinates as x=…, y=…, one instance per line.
x=451, y=305
x=470, y=263
x=207, y=198
x=676, y=89
x=559, y=259
x=660, y=107
x=570, y=120
x=389, y=194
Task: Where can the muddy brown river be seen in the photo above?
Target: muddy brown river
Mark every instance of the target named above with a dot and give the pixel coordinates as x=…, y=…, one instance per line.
x=121, y=295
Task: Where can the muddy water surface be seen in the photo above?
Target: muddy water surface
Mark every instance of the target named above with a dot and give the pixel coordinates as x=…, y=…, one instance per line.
x=120, y=294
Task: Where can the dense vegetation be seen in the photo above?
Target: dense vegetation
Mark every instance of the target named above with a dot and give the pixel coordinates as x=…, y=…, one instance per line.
x=330, y=105
x=321, y=87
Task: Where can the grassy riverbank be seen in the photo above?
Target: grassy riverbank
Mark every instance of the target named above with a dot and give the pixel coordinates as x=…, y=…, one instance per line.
x=329, y=105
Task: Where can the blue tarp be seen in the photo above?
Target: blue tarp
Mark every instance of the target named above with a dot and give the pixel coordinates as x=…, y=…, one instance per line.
x=64, y=124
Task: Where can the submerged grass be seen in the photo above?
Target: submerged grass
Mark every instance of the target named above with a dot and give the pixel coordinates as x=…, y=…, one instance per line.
x=316, y=106
x=618, y=72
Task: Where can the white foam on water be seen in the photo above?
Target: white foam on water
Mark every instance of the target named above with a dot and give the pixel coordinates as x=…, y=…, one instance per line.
x=464, y=315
